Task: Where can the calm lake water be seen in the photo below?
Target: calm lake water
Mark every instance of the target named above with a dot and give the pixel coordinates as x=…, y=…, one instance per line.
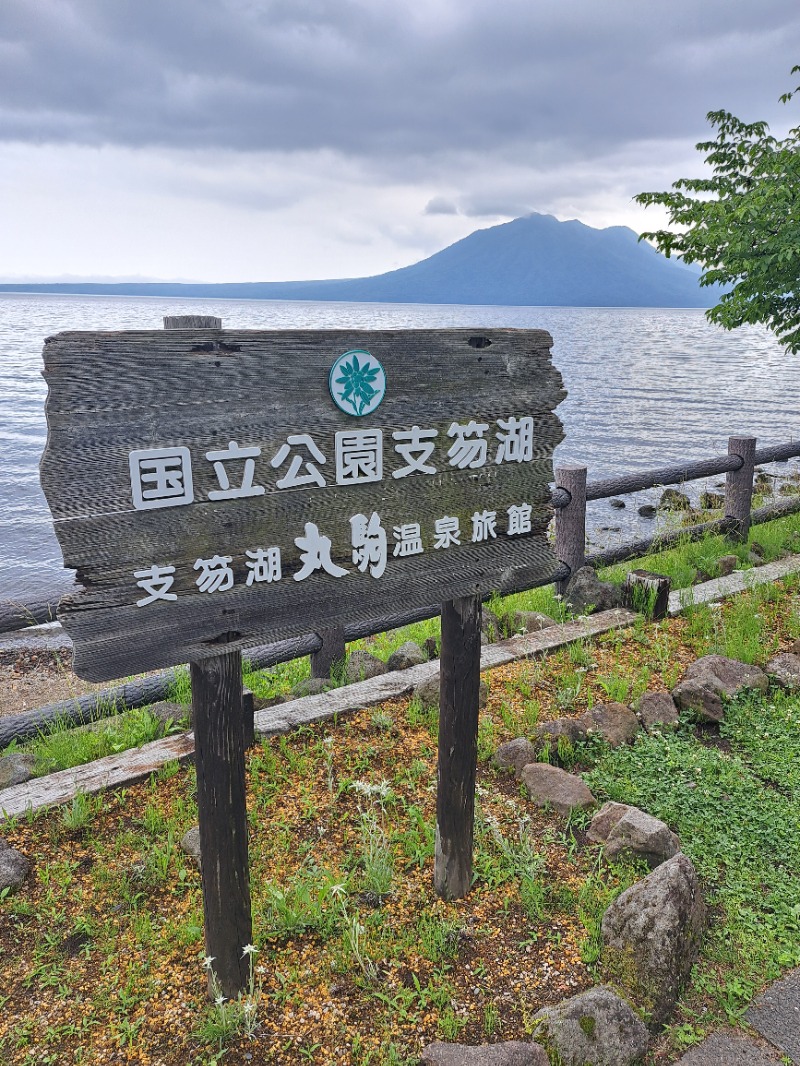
x=646, y=387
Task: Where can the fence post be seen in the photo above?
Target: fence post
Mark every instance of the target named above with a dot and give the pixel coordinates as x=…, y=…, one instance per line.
x=459, y=692
x=330, y=654
x=571, y=521
x=220, y=735
x=739, y=487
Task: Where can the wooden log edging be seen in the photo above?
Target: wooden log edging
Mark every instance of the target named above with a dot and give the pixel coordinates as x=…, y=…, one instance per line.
x=134, y=765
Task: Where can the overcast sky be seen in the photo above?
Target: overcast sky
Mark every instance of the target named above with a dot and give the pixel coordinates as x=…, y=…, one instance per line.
x=257, y=140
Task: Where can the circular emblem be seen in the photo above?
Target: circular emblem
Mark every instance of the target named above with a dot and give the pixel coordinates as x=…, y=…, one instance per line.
x=357, y=382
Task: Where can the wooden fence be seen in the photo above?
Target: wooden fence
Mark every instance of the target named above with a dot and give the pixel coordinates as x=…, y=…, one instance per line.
x=571, y=494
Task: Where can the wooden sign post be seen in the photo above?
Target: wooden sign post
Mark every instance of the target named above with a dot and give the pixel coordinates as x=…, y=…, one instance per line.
x=219, y=489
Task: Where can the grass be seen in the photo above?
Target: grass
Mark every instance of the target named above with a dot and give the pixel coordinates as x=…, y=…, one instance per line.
x=359, y=962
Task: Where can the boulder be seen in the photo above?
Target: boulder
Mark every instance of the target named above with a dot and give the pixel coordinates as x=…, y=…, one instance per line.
x=595, y=1028
x=617, y=504
x=727, y=564
x=712, y=501
x=510, y=1053
x=605, y=820
x=190, y=843
x=431, y=647
x=16, y=768
x=586, y=592
x=702, y=701
x=615, y=722
x=651, y=935
x=14, y=867
x=311, y=686
x=783, y=669
x=427, y=692
x=361, y=665
x=673, y=500
x=656, y=710
x=572, y=728
x=529, y=621
x=711, y=677
x=642, y=836
x=407, y=655
x=167, y=711
x=514, y=754
x=550, y=785
x=490, y=626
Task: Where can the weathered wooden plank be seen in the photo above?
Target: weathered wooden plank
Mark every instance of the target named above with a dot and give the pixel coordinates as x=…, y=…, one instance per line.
x=125, y=768
x=216, y=504
x=721, y=588
x=131, y=766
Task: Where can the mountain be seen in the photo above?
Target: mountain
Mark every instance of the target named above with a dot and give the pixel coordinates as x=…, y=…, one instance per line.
x=535, y=260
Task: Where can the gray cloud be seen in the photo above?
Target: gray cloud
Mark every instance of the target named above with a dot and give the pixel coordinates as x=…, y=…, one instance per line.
x=386, y=81
x=440, y=205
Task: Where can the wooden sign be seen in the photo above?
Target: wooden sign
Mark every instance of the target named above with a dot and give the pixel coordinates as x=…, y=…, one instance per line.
x=217, y=489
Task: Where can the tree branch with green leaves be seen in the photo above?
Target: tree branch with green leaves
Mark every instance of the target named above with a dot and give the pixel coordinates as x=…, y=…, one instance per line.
x=741, y=224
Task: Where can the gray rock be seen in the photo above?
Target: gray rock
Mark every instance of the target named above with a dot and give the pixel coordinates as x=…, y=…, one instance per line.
x=407, y=655
x=586, y=592
x=427, y=692
x=361, y=665
x=530, y=621
x=657, y=710
x=648, y=510
x=776, y=1014
x=167, y=711
x=514, y=754
x=551, y=785
x=618, y=505
x=490, y=626
x=754, y=559
x=595, y=1028
x=728, y=1049
x=639, y=834
x=673, y=500
x=572, y=728
x=16, y=768
x=510, y=1053
x=727, y=564
x=651, y=935
x=712, y=501
x=14, y=867
x=311, y=686
x=711, y=677
x=702, y=701
x=783, y=669
x=190, y=843
x=431, y=647
x=605, y=820
x=613, y=721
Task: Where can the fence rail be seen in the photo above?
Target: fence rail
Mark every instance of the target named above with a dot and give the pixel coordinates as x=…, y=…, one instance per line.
x=571, y=495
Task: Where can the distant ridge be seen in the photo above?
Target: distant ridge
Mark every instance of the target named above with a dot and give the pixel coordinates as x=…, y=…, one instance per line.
x=534, y=260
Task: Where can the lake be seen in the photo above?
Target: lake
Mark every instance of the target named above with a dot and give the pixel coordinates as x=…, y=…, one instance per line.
x=646, y=387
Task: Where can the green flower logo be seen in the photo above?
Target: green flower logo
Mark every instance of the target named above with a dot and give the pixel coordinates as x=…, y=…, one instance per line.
x=357, y=382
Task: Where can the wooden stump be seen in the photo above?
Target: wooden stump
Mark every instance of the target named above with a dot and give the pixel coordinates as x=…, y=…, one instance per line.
x=647, y=592
x=458, y=745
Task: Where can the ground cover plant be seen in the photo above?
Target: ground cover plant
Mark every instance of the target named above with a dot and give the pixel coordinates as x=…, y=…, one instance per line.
x=356, y=960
